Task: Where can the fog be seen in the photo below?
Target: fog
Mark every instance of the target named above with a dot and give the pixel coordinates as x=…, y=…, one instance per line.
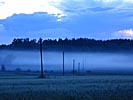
x=53, y=60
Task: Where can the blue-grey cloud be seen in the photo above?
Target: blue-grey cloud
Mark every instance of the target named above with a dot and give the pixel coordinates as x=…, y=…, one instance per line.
x=86, y=25
x=33, y=25
x=98, y=19
x=72, y=7
x=28, y=22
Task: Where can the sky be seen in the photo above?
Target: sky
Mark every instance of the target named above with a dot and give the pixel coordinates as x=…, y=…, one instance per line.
x=97, y=19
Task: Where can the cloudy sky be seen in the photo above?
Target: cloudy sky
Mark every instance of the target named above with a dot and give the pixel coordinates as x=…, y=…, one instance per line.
x=98, y=19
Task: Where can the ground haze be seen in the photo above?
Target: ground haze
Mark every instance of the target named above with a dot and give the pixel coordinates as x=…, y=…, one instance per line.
x=53, y=60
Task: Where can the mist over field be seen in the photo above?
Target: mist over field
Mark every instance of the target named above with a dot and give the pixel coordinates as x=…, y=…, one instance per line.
x=53, y=60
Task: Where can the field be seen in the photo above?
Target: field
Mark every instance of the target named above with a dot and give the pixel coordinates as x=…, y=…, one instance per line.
x=92, y=87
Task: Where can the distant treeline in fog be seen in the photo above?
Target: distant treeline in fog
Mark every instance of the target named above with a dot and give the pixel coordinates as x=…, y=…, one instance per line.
x=80, y=44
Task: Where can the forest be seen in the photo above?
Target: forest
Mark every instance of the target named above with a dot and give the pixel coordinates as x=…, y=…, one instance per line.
x=79, y=45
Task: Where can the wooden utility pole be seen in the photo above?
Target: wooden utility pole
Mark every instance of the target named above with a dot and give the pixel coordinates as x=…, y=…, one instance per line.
x=78, y=68
x=73, y=66
x=63, y=63
x=83, y=65
x=41, y=76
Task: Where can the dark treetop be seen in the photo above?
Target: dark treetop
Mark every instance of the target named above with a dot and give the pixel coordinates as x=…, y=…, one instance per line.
x=80, y=44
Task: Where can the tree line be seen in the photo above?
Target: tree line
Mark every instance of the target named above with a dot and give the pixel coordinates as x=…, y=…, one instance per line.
x=79, y=44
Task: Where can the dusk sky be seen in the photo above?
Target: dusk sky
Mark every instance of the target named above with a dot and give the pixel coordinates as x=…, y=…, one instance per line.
x=97, y=19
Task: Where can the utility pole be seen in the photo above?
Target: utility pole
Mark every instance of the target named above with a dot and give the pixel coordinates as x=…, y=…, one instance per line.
x=63, y=63
x=73, y=66
x=78, y=68
x=41, y=76
x=83, y=65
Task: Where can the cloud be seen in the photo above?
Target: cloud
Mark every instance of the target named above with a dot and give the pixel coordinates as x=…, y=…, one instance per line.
x=64, y=8
x=127, y=32
x=11, y=7
x=98, y=26
x=100, y=9
x=94, y=6
x=34, y=25
x=27, y=22
x=66, y=18
x=61, y=8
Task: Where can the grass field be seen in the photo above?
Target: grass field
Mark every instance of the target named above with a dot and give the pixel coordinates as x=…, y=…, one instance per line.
x=93, y=87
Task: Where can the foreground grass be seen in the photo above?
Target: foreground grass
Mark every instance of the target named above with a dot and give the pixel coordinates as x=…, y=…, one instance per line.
x=67, y=88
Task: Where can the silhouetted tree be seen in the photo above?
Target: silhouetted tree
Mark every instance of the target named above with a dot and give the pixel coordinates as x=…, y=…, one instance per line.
x=80, y=44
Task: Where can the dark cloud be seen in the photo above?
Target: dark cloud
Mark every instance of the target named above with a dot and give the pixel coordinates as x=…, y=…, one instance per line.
x=34, y=26
x=28, y=22
x=85, y=23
